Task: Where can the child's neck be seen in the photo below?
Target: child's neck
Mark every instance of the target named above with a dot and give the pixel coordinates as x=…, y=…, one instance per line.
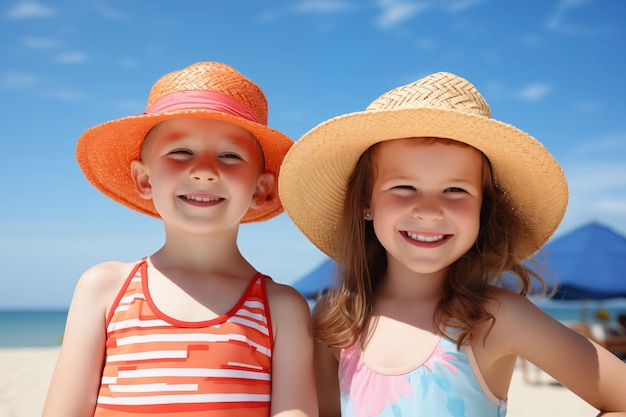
x=404, y=284
x=203, y=256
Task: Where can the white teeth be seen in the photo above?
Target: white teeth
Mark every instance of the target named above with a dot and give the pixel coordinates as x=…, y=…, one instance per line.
x=422, y=238
x=202, y=199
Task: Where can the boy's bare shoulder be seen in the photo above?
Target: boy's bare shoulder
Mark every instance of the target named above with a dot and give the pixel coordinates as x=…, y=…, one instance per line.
x=284, y=300
x=107, y=273
x=283, y=293
x=102, y=282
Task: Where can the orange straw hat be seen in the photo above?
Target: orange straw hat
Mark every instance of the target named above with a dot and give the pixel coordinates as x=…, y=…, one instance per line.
x=205, y=90
x=315, y=172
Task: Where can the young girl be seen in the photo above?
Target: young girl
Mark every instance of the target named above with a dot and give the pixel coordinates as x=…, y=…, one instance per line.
x=193, y=329
x=426, y=202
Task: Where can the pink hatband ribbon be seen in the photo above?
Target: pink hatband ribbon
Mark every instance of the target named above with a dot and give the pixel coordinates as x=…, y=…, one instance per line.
x=199, y=99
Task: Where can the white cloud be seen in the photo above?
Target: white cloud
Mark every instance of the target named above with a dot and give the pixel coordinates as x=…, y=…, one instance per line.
x=425, y=43
x=268, y=17
x=66, y=95
x=398, y=11
x=556, y=22
x=27, y=81
x=18, y=80
x=613, y=145
x=595, y=177
x=111, y=14
x=587, y=107
x=322, y=6
x=596, y=174
x=560, y=21
x=30, y=10
x=35, y=42
x=611, y=205
x=128, y=62
x=534, y=92
x=530, y=40
x=458, y=6
x=597, y=188
x=71, y=58
x=130, y=106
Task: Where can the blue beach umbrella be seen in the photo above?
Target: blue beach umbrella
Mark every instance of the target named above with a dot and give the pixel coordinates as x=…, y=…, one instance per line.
x=317, y=282
x=587, y=263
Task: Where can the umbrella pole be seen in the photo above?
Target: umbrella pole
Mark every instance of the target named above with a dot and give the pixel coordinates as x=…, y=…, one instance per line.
x=584, y=314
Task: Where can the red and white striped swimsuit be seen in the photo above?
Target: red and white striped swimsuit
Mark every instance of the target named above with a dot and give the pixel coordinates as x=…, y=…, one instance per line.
x=158, y=365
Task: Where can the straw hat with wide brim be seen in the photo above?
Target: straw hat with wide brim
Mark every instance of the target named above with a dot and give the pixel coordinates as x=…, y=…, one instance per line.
x=206, y=90
x=315, y=172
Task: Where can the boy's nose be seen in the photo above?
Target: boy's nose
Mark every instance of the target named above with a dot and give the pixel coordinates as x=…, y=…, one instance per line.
x=204, y=170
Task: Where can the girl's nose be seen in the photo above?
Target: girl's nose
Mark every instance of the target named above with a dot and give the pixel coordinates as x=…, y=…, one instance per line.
x=427, y=208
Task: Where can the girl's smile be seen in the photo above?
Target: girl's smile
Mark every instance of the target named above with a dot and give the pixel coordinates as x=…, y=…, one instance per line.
x=426, y=240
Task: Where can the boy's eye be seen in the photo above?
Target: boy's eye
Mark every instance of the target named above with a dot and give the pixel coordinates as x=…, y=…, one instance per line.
x=230, y=155
x=180, y=152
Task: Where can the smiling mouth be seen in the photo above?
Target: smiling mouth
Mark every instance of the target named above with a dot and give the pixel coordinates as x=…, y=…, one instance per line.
x=423, y=238
x=200, y=199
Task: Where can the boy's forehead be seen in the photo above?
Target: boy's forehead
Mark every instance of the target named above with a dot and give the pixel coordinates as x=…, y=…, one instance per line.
x=180, y=129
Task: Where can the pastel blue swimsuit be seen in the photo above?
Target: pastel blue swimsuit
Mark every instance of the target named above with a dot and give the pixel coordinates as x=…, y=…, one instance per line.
x=447, y=383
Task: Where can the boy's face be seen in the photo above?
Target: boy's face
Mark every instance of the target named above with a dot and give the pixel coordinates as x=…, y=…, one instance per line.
x=426, y=202
x=205, y=172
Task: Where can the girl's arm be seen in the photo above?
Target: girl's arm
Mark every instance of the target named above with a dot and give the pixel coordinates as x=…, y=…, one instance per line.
x=293, y=385
x=76, y=379
x=326, y=380
x=585, y=368
x=326, y=375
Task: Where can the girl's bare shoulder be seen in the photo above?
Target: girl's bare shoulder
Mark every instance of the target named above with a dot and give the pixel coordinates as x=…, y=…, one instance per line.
x=518, y=321
x=504, y=302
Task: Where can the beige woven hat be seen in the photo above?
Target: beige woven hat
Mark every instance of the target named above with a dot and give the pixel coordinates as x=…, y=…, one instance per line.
x=207, y=90
x=314, y=174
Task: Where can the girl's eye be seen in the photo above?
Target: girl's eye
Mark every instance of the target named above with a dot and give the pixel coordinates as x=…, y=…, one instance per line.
x=403, y=187
x=455, y=190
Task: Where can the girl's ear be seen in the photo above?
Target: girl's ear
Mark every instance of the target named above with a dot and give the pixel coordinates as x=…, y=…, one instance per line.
x=367, y=213
x=264, y=185
x=141, y=179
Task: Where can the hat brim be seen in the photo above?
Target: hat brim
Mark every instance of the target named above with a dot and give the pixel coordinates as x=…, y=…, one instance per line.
x=315, y=172
x=105, y=152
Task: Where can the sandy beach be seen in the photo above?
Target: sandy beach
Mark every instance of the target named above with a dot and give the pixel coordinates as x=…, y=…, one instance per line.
x=25, y=374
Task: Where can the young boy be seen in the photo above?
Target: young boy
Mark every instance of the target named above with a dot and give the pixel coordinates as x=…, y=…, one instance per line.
x=192, y=329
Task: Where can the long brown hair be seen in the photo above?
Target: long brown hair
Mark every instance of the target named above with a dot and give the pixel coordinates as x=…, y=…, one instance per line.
x=347, y=308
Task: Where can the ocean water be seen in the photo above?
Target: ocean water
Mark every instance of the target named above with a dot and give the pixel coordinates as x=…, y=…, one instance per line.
x=585, y=310
x=43, y=328
x=37, y=328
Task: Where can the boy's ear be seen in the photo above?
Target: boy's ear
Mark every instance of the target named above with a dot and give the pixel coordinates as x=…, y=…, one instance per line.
x=141, y=179
x=264, y=185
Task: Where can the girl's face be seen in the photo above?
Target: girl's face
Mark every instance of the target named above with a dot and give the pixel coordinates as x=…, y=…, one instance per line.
x=426, y=202
x=201, y=173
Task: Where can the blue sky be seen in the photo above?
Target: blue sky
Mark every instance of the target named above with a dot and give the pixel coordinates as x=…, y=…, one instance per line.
x=554, y=68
